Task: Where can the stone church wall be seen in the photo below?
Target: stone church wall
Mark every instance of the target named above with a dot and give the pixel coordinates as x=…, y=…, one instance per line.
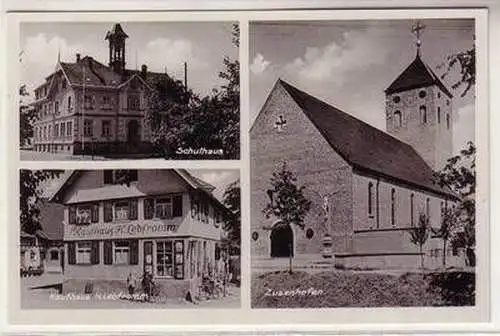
x=318, y=167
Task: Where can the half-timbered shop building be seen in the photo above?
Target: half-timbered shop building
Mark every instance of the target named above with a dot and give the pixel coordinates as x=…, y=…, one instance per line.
x=164, y=222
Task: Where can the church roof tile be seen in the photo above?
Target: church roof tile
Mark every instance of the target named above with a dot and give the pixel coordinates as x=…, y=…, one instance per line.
x=365, y=147
x=416, y=75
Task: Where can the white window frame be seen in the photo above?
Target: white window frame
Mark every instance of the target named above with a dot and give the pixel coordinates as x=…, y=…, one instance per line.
x=82, y=250
x=168, y=205
x=88, y=125
x=123, y=249
x=172, y=262
x=120, y=204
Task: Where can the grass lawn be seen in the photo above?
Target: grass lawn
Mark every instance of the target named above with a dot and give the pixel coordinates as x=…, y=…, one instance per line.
x=361, y=289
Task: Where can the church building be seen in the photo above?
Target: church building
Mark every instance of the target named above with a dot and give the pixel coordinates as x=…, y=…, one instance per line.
x=367, y=187
x=88, y=107
x=164, y=222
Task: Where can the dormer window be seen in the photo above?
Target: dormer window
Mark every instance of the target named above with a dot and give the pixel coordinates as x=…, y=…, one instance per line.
x=120, y=176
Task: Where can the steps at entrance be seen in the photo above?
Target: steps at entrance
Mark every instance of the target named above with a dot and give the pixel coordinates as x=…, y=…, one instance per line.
x=315, y=262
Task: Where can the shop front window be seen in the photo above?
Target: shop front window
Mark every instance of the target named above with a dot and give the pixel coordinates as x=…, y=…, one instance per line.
x=164, y=259
x=170, y=259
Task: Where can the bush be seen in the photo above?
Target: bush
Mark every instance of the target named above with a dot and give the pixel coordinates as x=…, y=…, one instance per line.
x=456, y=288
x=355, y=289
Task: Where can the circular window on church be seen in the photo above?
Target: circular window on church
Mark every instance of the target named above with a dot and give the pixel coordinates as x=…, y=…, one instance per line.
x=255, y=235
x=309, y=233
x=396, y=99
x=422, y=94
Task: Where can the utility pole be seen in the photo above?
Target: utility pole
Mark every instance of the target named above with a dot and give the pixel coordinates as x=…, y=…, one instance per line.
x=83, y=114
x=185, y=75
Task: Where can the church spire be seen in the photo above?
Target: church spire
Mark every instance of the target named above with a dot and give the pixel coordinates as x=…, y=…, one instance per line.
x=417, y=31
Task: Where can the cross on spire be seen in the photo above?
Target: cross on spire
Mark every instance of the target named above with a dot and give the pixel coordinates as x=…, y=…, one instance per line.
x=417, y=31
x=280, y=123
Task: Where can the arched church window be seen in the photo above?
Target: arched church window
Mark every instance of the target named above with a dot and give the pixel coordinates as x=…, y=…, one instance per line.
x=422, y=94
x=397, y=119
x=423, y=114
x=439, y=94
x=428, y=207
x=396, y=99
x=412, y=209
x=448, y=121
x=370, y=199
x=439, y=115
x=393, y=207
x=309, y=233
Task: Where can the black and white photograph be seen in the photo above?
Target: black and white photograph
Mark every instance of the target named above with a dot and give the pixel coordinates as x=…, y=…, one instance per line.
x=362, y=163
x=129, y=90
x=131, y=239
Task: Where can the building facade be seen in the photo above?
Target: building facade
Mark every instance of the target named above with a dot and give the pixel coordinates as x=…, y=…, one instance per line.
x=367, y=187
x=88, y=107
x=164, y=222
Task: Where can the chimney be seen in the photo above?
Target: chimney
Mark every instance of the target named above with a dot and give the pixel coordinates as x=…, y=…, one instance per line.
x=144, y=71
x=78, y=58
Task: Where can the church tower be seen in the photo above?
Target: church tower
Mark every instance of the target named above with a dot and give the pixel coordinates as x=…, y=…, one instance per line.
x=419, y=110
x=116, y=38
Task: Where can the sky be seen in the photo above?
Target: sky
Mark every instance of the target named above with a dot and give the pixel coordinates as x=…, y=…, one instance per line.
x=202, y=45
x=349, y=64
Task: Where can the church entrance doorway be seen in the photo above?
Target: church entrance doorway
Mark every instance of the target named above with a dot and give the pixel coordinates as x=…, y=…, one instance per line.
x=282, y=242
x=133, y=134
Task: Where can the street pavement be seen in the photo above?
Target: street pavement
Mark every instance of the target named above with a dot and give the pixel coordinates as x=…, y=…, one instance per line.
x=34, y=297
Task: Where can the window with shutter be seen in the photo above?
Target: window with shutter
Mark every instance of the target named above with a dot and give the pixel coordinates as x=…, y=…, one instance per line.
x=108, y=212
x=72, y=215
x=71, y=253
x=132, y=212
x=149, y=208
x=177, y=212
x=108, y=252
x=95, y=213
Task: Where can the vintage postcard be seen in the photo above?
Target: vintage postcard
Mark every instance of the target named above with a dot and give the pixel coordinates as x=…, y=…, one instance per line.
x=129, y=90
x=353, y=189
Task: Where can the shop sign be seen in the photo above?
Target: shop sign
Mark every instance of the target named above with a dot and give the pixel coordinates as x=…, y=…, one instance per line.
x=125, y=230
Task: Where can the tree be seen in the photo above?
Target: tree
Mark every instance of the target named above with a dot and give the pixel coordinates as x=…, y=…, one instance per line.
x=27, y=116
x=448, y=224
x=30, y=196
x=459, y=174
x=232, y=200
x=287, y=200
x=419, y=235
x=181, y=119
x=466, y=63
